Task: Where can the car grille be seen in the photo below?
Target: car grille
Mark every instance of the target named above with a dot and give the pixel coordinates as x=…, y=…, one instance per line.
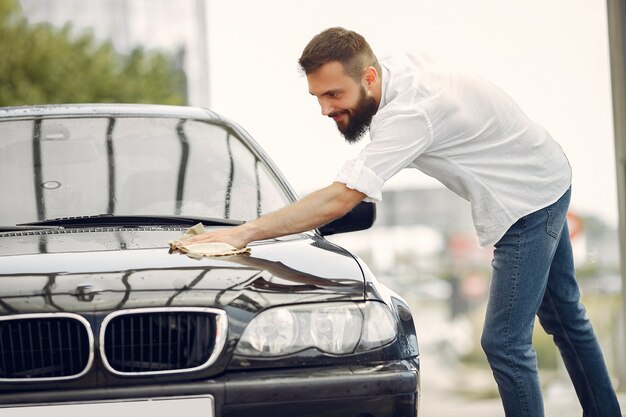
x=44, y=347
x=152, y=341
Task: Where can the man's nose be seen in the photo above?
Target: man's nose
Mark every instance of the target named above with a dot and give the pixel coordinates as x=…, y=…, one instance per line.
x=327, y=108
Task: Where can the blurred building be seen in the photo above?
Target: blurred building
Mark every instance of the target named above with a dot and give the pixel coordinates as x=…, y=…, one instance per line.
x=431, y=231
x=177, y=28
x=421, y=229
x=439, y=208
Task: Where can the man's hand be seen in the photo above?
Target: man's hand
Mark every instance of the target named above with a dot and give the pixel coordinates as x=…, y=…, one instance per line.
x=235, y=236
x=312, y=211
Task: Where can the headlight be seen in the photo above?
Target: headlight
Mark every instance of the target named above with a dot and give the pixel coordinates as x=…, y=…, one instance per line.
x=338, y=328
x=274, y=334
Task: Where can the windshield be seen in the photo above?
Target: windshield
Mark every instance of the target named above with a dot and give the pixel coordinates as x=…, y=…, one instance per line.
x=130, y=166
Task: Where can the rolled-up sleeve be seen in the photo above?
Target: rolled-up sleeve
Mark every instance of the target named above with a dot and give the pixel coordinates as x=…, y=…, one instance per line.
x=357, y=176
x=397, y=139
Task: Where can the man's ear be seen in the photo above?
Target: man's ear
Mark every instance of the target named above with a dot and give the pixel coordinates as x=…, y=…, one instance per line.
x=370, y=76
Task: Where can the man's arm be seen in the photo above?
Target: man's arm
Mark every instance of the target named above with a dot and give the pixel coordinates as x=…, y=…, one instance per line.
x=312, y=211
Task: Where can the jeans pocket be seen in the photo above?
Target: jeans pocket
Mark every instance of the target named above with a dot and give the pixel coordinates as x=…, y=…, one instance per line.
x=554, y=226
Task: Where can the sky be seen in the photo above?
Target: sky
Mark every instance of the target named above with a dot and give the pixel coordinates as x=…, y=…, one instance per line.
x=551, y=56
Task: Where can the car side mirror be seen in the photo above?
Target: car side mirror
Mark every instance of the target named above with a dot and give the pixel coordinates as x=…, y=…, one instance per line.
x=361, y=217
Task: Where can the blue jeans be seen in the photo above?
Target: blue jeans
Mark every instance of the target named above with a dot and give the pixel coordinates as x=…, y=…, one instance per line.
x=533, y=274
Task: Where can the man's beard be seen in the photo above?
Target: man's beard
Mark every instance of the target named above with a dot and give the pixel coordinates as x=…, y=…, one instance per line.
x=359, y=118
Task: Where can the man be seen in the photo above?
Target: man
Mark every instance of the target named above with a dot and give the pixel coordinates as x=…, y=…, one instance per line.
x=472, y=137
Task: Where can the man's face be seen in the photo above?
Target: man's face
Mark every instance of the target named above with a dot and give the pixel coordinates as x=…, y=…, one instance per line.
x=349, y=103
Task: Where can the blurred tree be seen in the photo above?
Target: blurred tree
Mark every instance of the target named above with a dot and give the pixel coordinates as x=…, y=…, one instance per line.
x=41, y=64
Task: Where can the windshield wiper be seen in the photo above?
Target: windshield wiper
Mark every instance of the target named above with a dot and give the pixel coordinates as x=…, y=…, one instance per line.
x=143, y=220
x=20, y=227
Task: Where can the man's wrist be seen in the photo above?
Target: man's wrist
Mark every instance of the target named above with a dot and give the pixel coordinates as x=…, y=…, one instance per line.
x=250, y=232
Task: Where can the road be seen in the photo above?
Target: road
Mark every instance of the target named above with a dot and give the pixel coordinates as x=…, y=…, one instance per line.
x=451, y=388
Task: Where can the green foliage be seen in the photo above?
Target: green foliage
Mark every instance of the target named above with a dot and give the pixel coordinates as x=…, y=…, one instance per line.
x=41, y=64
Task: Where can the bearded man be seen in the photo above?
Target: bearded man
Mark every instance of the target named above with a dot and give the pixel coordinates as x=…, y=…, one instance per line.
x=462, y=130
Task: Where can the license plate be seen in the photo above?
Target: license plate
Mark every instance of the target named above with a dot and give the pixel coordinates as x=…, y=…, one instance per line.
x=154, y=407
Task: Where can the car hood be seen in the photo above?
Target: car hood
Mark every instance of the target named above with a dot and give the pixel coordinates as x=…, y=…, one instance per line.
x=106, y=269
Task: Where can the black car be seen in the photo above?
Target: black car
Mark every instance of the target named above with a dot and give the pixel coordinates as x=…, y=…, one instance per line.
x=97, y=316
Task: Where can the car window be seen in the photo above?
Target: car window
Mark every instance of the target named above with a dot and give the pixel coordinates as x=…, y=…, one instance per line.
x=130, y=166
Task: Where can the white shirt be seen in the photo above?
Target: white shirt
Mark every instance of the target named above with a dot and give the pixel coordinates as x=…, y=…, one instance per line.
x=466, y=133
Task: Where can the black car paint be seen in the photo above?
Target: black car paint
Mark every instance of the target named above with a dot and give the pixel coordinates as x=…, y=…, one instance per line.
x=79, y=270
x=96, y=270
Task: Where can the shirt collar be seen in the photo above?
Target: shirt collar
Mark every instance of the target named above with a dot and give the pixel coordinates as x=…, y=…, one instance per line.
x=384, y=87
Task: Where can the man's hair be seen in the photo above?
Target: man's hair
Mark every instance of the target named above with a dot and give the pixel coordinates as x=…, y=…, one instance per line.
x=341, y=45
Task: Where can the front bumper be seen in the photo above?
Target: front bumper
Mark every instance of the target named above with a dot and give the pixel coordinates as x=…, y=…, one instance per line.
x=385, y=390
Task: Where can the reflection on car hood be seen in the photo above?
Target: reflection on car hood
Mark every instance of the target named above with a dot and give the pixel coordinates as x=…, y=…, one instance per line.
x=104, y=269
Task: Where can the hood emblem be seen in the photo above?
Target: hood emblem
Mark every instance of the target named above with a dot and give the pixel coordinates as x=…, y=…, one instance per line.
x=87, y=292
